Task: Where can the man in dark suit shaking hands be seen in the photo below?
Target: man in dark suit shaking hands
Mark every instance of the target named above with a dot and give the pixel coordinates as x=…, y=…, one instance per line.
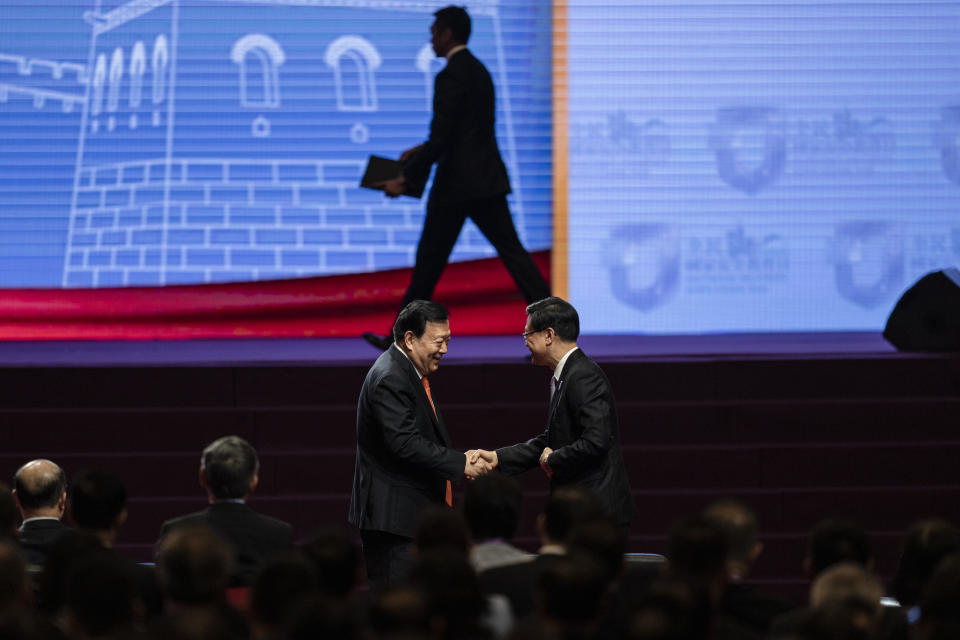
x=581, y=444
x=471, y=179
x=404, y=457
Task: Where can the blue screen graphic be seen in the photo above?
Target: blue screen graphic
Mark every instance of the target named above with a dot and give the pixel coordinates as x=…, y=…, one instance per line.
x=759, y=166
x=153, y=142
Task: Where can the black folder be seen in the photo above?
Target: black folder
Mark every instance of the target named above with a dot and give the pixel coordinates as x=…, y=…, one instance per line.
x=380, y=169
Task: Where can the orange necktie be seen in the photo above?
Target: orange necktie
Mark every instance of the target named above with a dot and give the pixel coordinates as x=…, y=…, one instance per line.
x=426, y=387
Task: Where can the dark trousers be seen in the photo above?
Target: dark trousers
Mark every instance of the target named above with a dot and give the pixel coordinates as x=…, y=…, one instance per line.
x=387, y=557
x=440, y=230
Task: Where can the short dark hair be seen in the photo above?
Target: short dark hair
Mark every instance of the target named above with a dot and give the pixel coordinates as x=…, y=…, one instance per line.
x=926, y=544
x=571, y=588
x=457, y=20
x=44, y=492
x=557, y=314
x=567, y=507
x=193, y=565
x=739, y=525
x=229, y=464
x=441, y=528
x=335, y=559
x=696, y=550
x=837, y=540
x=491, y=507
x=279, y=586
x=97, y=498
x=415, y=316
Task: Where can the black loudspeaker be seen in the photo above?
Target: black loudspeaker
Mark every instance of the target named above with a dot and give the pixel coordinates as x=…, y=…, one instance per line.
x=927, y=316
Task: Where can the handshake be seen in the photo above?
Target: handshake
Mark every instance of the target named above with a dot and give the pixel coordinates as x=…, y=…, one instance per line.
x=481, y=462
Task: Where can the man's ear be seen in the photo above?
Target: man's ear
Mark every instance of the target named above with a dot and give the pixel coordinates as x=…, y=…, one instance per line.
x=254, y=483
x=409, y=339
x=62, y=502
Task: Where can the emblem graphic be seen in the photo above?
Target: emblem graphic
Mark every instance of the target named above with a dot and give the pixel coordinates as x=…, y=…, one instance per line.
x=644, y=263
x=868, y=262
x=750, y=146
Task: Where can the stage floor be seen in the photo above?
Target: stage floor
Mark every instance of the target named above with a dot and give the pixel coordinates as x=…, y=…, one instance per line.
x=463, y=350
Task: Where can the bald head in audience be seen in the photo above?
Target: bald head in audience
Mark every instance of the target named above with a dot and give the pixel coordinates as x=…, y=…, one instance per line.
x=40, y=490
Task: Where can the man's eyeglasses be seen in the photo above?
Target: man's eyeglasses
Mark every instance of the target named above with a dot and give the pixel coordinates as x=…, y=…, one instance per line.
x=527, y=334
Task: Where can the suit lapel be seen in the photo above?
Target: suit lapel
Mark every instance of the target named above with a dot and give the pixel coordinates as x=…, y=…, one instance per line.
x=438, y=427
x=561, y=388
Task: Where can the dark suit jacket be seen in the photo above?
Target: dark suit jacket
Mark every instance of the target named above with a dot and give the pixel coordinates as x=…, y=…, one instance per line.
x=36, y=538
x=462, y=138
x=517, y=582
x=584, y=433
x=403, y=452
x=253, y=536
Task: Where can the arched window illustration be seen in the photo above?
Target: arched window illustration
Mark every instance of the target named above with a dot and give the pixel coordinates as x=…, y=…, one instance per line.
x=99, y=80
x=116, y=78
x=138, y=64
x=427, y=61
x=158, y=65
x=258, y=57
x=353, y=60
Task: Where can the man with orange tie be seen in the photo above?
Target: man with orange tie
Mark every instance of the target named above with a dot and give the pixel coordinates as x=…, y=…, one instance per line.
x=404, y=458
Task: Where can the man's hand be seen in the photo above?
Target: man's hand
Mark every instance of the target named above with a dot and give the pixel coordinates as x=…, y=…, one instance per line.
x=475, y=467
x=490, y=457
x=409, y=152
x=394, y=187
x=543, y=462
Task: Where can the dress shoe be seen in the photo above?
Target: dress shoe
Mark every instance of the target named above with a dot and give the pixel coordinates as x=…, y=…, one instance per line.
x=378, y=341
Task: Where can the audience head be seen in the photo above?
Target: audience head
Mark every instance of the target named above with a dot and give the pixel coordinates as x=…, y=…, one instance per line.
x=98, y=596
x=336, y=562
x=193, y=566
x=70, y=547
x=739, y=525
x=557, y=314
x=697, y=554
x=317, y=617
x=401, y=610
x=40, y=489
x=229, y=468
x=837, y=540
x=453, y=591
x=98, y=502
x=8, y=513
x=668, y=610
x=571, y=592
x=940, y=602
x=457, y=20
x=15, y=586
x=440, y=528
x=279, y=586
x=565, y=508
x=603, y=539
x=846, y=582
x=927, y=543
x=491, y=507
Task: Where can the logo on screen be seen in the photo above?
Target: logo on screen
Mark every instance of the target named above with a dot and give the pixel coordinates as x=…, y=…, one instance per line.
x=750, y=145
x=644, y=263
x=947, y=138
x=868, y=262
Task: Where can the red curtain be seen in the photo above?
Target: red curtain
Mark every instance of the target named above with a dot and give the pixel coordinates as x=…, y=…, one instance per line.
x=481, y=296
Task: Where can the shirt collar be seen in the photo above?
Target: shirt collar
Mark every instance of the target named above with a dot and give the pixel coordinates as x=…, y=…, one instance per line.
x=457, y=49
x=419, y=375
x=38, y=518
x=559, y=368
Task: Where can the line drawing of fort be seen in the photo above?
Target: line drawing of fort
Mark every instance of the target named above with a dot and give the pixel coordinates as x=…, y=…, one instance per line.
x=197, y=159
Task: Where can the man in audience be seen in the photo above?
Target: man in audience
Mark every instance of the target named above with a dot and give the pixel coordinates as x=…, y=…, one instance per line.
x=8, y=514
x=581, y=444
x=749, y=606
x=565, y=509
x=927, y=543
x=336, y=563
x=491, y=507
x=15, y=587
x=40, y=491
x=280, y=585
x=98, y=506
x=229, y=472
x=193, y=568
x=836, y=540
x=940, y=603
